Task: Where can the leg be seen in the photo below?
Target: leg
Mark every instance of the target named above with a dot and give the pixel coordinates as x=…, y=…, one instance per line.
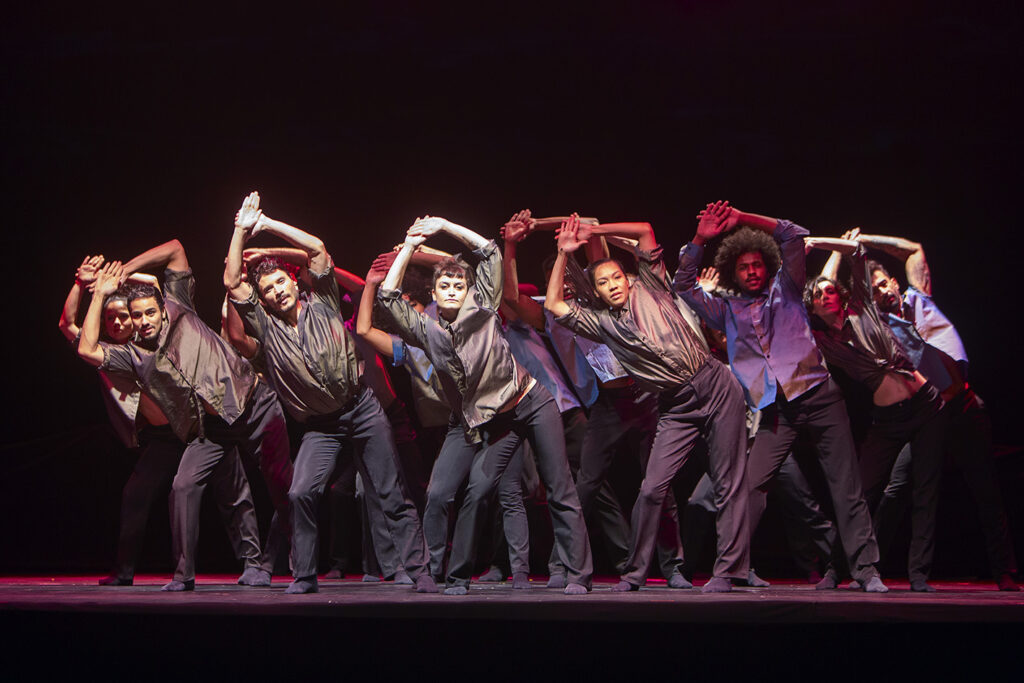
x=926, y=467
x=230, y=489
x=197, y=464
x=450, y=470
x=811, y=535
x=342, y=498
x=513, y=511
x=313, y=465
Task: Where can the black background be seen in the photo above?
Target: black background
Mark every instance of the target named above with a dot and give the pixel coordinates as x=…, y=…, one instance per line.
x=125, y=127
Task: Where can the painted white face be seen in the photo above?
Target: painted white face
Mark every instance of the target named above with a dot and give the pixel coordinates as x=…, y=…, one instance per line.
x=450, y=294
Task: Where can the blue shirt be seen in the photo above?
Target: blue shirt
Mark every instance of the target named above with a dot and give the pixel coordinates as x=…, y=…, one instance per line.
x=933, y=326
x=771, y=349
x=529, y=350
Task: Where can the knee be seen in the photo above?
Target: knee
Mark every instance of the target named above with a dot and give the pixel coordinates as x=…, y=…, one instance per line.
x=651, y=496
x=185, y=486
x=301, y=496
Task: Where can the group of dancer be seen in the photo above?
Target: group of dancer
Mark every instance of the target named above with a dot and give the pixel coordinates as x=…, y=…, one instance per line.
x=735, y=362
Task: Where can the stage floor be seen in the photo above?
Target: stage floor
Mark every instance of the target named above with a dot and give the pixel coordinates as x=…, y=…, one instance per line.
x=56, y=627
x=783, y=602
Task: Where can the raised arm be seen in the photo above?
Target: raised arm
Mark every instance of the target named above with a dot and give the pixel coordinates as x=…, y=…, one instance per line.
x=378, y=339
x=107, y=282
x=643, y=233
x=233, y=330
x=569, y=240
x=844, y=246
x=514, y=231
x=319, y=259
x=919, y=275
x=245, y=220
x=431, y=225
x=169, y=255
x=85, y=276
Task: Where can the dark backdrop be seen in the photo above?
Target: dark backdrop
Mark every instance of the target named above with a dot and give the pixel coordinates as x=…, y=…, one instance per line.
x=125, y=128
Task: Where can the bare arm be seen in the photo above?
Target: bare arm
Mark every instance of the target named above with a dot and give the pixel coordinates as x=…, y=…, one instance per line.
x=85, y=275
x=107, y=282
x=643, y=233
x=348, y=281
x=378, y=339
x=531, y=312
x=839, y=247
x=170, y=255
x=918, y=274
x=431, y=225
x=233, y=330
x=245, y=220
x=569, y=240
x=319, y=260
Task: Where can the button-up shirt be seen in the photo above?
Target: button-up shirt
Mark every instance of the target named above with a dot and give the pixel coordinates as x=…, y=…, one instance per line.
x=925, y=357
x=531, y=352
x=771, y=348
x=191, y=364
x=471, y=355
x=313, y=366
x=648, y=334
x=933, y=326
x=864, y=347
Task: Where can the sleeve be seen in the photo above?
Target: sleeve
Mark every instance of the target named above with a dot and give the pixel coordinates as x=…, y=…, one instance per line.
x=489, y=276
x=710, y=308
x=180, y=285
x=117, y=359
x=582, y=321
x=860, y=280
x=411, y=326
x=790, y=237
x=325, y=287
x=651, y=270
x=254, y=317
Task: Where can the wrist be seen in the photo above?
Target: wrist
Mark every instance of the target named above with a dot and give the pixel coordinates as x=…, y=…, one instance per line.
x=698, y=240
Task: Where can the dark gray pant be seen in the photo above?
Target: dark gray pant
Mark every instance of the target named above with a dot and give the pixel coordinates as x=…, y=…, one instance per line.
x=259, y=432
x=821, y=414
x=920, y=422
x=709, y=405
x=536, y=419
x=451, y=469
x=810, y=534
x=367, y=428
x=159, y=457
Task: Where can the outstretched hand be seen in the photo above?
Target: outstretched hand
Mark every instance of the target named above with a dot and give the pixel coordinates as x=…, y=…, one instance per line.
x=110, y=277
x=87, y=272
x=249, y=215
x=518, y=227
x=852, y=234
x=716, y=218
x=708, y=279
x=379, y=270
x=569, y=236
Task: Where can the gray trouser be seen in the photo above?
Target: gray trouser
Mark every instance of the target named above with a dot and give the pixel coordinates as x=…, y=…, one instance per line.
x=373, y=445
x=709, y=405
x=536, y=419
x=259, y=432
x=820, y=413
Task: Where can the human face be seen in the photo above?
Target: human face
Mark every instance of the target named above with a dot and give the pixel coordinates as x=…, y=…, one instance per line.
x=117, y=321
x=886, y=291
x=611, y=284
x=826, y=301
x=450, y=294
x=147, y=318
x=279, y=291
x=751, y=274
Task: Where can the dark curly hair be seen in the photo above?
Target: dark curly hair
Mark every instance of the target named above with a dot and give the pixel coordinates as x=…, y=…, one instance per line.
x=874, y=265
x=418, y=284
x=140, y=290
x=741, y=242
x=812, y=285
x=453, y=266
x=268, y=265
x=119, y=294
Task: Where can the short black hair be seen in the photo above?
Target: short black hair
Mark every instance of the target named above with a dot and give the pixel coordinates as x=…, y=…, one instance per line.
x=265, y=266
x=119, y=294
x=743, y=241
x=140, y=290
x=874, y=265
x=592, y=268
x=417, y=284
x=454, y=267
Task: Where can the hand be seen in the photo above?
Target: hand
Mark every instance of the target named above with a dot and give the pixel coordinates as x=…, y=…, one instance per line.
x=251, y=256
x=249, y=215
x=714, y=220
x=379, y=270
x=87, y=272
x=568, y=236
x=518, y=227
x=109, y=279
x=425, y=227
x=708, y=279
x=852, y=234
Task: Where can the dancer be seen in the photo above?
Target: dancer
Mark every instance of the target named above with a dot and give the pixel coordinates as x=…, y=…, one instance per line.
x=138, y=423
x=494, y=400
x=312, y=363
x=210, y=395
x=773, y=354
x=927, y=334
x=643, y=326
x=852, y=336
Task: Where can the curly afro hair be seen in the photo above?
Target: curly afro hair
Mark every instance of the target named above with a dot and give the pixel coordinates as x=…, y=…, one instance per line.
x=741, y=242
